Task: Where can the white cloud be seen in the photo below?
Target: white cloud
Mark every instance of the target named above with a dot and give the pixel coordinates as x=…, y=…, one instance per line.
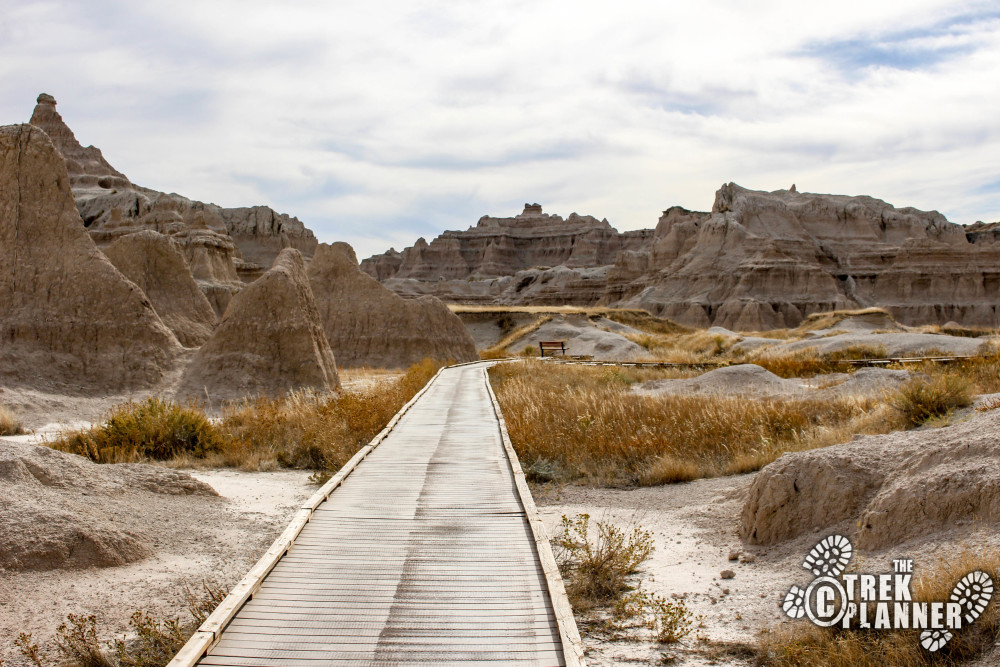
x=379, y=122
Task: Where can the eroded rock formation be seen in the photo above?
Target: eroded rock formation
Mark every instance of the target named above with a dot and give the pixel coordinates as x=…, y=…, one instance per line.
x=882, y=490
x=155, y=263
x=758, y=260
x=368, y=325
x=69, y=320
x=224, y=247
x=270, y=340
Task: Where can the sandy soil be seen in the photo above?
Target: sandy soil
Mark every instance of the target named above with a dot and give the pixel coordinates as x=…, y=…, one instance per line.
x=694, y=527
x=198, y=538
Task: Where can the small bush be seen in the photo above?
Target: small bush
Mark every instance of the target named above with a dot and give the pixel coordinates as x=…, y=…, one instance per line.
x=597, y=566
x=30, y=650
x=672, y=621
x=155, y=641
x=921, y=399
x=155, y=429
x=78, y=643
x=154, y=644
x=9, y=423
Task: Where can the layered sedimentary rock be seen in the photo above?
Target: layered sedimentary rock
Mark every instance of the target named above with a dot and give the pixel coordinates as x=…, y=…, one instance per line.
x=86, y=166
x=155, y=263
x=260, y=234
x=69, y=320
x=531, y=257
x=758, y=260
x=224, y=247
x=369, y=325
x=270, y=340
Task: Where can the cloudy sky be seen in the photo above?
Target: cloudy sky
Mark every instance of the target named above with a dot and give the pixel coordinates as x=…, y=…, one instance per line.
x=377, y=122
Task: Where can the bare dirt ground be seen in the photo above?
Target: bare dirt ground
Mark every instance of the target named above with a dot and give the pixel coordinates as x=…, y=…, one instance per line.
x=197, y=538
x=695, y=531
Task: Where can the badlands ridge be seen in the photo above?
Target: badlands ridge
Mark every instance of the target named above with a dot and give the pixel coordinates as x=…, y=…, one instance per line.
x=757, y=261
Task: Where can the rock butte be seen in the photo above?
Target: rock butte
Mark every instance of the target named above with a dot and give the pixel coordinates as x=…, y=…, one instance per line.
x=69, y=320
x=224, y=247
x=155, y=263
x=269, y=341
x=758, y=260
x=367, y=324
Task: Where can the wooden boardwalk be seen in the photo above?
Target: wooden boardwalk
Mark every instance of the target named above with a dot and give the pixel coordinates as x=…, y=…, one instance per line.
x=426, y=553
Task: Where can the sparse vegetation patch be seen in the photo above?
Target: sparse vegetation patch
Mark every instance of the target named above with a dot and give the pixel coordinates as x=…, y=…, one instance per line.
x=923, y=398
x=300, y=430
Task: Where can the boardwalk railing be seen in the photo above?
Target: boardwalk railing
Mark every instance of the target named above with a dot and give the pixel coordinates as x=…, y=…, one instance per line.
x=883, y=361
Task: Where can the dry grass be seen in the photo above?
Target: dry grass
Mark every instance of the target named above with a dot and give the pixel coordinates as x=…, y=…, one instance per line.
x=801, y=644
x=925, y=398
x=581, y=423
x=832, y=318
x=9, y=422
x=155, y=429
x=809, y=363
x=685, y=348
x=301, y=430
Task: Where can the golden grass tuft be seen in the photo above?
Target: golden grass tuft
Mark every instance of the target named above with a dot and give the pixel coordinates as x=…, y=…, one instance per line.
x=808, y=362
x=801, y=644
x=155, y=429
x=684, y=348
x=585, y=425
x=831, y=318
x=9, y=422
x=921, y=398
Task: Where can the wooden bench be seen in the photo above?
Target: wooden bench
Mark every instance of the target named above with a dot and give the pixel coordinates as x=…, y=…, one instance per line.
x=553, y=346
